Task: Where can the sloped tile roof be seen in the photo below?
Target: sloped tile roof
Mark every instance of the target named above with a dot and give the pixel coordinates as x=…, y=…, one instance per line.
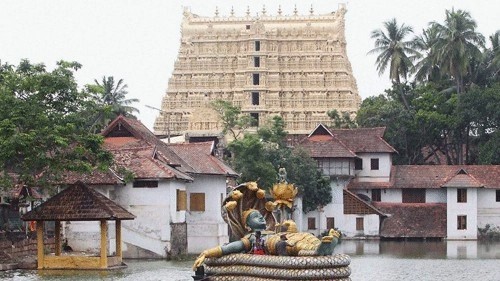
x=437, y=176
x=463, y=181
x=356, y=206
x=325, y=146
x=344, y=143
x=364, y=139
x=199, y=159
x=78, y=203
x=417, y=220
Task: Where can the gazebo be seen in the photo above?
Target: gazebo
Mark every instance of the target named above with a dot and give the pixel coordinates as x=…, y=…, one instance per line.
x=78, y=203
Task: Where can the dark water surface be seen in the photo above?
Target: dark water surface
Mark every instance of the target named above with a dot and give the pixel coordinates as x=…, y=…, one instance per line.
x=370, y=260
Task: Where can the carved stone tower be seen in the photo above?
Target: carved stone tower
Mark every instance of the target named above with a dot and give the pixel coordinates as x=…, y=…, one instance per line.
x=293, y=66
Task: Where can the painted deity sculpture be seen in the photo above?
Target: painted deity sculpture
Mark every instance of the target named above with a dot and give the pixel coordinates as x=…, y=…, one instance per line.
x=247, y=212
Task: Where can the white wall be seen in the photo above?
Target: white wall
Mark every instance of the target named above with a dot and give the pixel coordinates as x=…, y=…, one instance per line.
x=435, y=195
x=371, y=225
x=488, y=211
x=207, y=229
x=154, y=208
x=468, y=209
x=380, y=175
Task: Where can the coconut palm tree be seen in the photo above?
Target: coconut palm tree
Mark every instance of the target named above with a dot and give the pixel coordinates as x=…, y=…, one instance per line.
x=457, y=44
x=394, y=52
x=426, y=69
x=112, y=100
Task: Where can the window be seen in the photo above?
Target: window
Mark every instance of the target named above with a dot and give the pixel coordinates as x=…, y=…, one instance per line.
x=256, y=61
x=413, y=195
x=311, y=223
x=498, y=196
x=462, y=195
x=145, y=184
x=462, y=222
x=255, y=121
x=197, y=202
x=257, y=45
x=330, y=223
x=358, y=164
x=360, y=224
x=374, y=163
x=247, y=26
x=256, y=80
x=255, y=98
x=181, y=200
x=376, y=195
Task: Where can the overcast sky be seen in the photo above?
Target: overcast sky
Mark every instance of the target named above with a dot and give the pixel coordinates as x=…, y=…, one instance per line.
x=138, y=40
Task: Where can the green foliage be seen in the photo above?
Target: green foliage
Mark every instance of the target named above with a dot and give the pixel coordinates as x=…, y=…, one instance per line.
x=257, y=157
x=43, y=129
x=233, y=121
x=111, y=101
x=343, y=120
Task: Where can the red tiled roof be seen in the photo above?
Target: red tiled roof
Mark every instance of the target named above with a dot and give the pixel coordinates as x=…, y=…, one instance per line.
x=437, y=176
x=357, y=206
x=364, y=139
x=78, y=203
x=325, y=146
x=344, y=143
x=416, y=220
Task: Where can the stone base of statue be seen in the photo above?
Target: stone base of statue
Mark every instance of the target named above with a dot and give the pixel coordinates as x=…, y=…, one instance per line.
x=268, y=267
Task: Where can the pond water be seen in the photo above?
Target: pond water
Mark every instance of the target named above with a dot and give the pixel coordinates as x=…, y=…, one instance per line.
x=370, y=260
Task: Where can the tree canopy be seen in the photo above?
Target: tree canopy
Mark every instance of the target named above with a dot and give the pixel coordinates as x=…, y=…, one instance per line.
x=446, y=115
x=258, y=156
x=45, y=124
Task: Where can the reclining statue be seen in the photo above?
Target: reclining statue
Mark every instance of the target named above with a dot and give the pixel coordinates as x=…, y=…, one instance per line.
x=247, y=212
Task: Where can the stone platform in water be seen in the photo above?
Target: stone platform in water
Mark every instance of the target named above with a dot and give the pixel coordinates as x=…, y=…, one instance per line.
x=267, y=267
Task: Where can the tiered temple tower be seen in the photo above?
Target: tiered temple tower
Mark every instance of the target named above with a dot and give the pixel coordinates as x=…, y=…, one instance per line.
x=295, y=66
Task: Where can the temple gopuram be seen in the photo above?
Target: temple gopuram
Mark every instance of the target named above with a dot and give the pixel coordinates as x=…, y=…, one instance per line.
x=294, y=66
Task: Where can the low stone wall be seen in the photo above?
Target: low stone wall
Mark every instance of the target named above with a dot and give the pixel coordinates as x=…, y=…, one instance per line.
x=12, y=252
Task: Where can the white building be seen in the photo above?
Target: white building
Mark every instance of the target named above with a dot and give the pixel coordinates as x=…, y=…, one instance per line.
x=373, y=198
x=174, y=192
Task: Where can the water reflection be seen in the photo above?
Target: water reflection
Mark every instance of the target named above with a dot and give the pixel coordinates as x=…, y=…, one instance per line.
x=370, y=260
x=422, y=249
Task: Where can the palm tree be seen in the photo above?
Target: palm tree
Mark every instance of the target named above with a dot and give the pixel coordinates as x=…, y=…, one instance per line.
x=112, y=101
x=394, y=52
x=426, y=69
x=457, y=44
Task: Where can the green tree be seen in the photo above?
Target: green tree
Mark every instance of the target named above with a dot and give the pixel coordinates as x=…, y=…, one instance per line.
x=394, y=52
x=456, y=45
x=233, y=121
x=258, y=156
x=343, y=120
x=111, y=100
x=43, y=128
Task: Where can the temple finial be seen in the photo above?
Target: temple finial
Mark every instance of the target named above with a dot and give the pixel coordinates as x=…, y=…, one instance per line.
x=279, y=10
x=263, y=10
x=295, y=12
x=311, y=10
x=216, y=11
x=232, y=11
x=248, y=11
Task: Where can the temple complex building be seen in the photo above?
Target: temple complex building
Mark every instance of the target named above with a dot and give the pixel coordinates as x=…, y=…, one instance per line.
x=294, y=66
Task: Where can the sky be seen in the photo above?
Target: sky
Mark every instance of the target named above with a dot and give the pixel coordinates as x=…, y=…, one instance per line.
x=138, y=40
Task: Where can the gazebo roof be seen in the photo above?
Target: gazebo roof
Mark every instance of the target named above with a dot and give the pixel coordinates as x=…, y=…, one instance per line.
x=78, y=203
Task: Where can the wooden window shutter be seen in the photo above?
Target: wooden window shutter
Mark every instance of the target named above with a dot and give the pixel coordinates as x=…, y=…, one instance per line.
x=197, y=202
x=181, y=200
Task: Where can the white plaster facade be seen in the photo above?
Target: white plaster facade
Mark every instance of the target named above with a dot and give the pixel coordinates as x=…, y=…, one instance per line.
x=467, y=209
x=207, y=229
